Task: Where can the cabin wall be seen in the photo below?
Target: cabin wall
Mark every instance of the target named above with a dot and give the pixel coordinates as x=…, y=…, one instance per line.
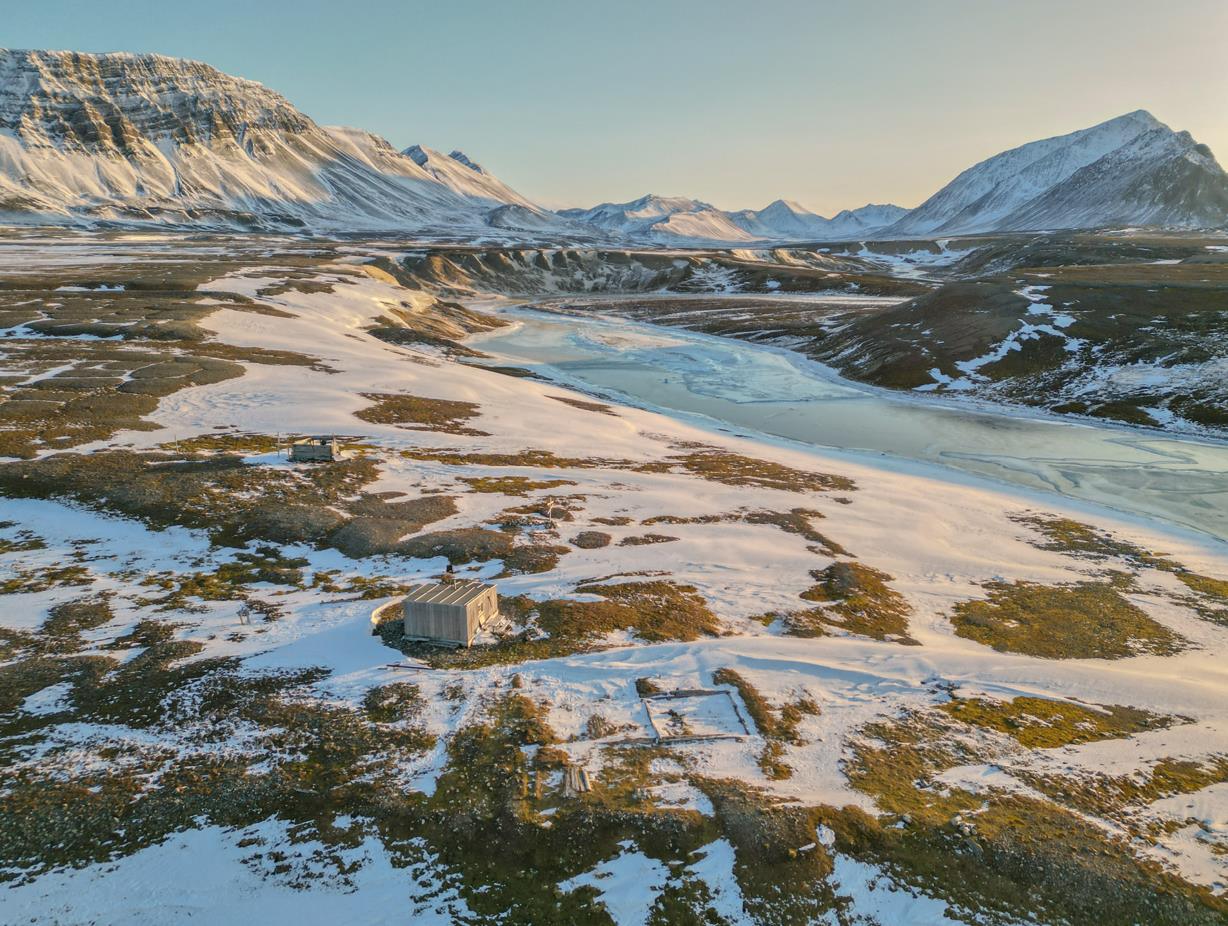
x=449, y=622
x=305, y=453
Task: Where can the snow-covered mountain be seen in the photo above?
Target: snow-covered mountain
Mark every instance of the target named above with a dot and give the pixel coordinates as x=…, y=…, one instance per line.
x=121, y=137
x=661, y=219
x=146, y=138
x=790, y=221
x=869, y=219
x=780, y=219
x=1130, y=170
x=677, y=220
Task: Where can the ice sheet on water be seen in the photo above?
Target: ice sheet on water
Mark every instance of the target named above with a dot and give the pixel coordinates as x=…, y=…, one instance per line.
x=724, y=370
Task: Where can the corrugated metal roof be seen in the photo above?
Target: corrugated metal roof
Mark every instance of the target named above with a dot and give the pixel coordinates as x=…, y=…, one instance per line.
x=458, y=593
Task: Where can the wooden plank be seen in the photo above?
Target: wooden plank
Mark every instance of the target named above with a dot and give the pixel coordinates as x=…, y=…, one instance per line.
x=686, y=693
x=738, y=713
x=402, y=665
x=651, y=724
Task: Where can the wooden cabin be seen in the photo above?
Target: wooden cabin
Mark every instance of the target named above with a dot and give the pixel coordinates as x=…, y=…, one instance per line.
x=315, y=450
x=449, y=612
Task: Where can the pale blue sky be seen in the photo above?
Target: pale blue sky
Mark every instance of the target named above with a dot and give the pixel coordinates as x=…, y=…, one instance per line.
x=832, y=104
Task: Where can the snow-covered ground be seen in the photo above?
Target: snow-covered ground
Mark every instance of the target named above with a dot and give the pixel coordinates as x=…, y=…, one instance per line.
x=939, y=539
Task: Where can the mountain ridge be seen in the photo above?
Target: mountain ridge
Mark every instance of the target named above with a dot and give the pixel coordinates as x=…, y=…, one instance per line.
x=1056, y=183
x=1128, y=170
x=678, y=219
x=126, y=137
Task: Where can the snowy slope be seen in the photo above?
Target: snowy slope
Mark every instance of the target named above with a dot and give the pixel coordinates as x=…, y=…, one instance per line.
x=1083, y=179
x=151, y=138
x=468, y=178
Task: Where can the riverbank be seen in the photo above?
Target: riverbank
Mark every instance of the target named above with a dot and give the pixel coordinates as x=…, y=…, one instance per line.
x=777, y=393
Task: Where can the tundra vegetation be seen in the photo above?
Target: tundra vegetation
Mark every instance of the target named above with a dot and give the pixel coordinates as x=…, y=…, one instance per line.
x=1084, y=620
x=1005, y=852
x=89, y=351
x=853, y=598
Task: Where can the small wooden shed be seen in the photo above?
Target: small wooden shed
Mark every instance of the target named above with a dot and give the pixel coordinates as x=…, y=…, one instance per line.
x=449, y=612
x=323, y=449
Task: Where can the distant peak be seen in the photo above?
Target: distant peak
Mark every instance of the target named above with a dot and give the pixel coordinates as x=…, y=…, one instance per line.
x=790, y=204
x=673, y=203
x=417, y=154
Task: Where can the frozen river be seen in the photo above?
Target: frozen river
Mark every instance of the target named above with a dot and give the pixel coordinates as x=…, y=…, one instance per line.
x=748, y=387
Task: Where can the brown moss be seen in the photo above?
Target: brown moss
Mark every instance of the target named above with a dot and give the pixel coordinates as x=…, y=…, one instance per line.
x=225, y=442
x=858, y=600
x=1120, y=797
x=229, y=581
x=654, y=611
x=462, y=545
x=1087, y=620
x=233, y=501
x=512, y=485
x=67, y=621
x=716, y=465
x=533, y=558
x=795, y=521
x=394, y=703
x=1066, y=535
x=380, y=523
x=642, y=540
x=418, y=413
x=586, y=406
x=39, y=579
x=646, y=687
x=779, y=883
x=1210, y=601
x=543, y=459
x=1040, y=723
x=998, y=851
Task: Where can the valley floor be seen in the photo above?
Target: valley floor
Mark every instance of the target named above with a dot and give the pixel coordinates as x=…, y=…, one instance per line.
x=943, y=701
